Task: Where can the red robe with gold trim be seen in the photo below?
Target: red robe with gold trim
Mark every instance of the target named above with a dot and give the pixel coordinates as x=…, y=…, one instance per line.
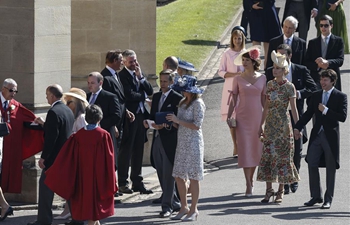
x=20, y=144
x=84, y=174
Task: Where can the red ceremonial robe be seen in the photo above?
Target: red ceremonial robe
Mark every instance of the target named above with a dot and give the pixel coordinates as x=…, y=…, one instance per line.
x=20, y=144
x=83, y=173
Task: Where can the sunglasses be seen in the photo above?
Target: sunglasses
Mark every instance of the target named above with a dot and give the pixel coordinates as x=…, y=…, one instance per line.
x=11, y=90
x=324, y=25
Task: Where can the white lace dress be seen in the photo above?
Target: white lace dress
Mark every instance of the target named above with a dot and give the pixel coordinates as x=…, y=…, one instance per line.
x=188, y=162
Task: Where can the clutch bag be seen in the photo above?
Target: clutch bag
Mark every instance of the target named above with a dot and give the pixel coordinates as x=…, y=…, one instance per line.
x=231, y=122
x=160, y=118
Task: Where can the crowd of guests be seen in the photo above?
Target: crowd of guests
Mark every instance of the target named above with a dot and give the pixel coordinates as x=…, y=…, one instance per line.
x=265, y=109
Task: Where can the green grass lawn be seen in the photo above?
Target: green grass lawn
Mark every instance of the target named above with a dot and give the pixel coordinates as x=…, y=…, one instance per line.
x=190, y=28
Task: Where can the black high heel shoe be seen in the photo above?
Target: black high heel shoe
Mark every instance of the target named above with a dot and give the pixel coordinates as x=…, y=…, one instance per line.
x=269, y=193
x=9, y=212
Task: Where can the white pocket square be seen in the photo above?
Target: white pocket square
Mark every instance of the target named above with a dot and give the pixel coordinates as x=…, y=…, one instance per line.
x=169, y=105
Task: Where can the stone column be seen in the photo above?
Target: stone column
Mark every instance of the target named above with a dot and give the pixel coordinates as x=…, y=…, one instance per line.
x=35, y=46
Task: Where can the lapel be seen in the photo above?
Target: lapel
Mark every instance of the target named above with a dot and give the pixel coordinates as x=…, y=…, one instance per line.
x=294, y=75
x=295, y=43
x=167, y=101
x=330, y=45
x=119, y=85
x=318, y=47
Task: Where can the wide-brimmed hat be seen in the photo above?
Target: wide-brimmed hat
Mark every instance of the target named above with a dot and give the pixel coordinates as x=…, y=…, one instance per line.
x=254, y=53
x=77, y=93
x=186, y=83
x=186, y=65
x=279, y=59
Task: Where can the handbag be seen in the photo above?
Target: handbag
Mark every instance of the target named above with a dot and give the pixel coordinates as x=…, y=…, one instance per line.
x=231, y=122
x=4, y=129
x=160, y=118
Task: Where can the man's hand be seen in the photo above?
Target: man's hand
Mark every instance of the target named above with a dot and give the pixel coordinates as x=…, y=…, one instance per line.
x=138, y=71
x=116, y=132
x=130, y=116
x=39, y=120
x=41, y=163
x=322, y=63
x=321, y=107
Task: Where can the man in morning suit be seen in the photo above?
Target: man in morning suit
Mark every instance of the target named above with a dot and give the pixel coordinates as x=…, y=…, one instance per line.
x=112, y=83
x=164, y=142
x=325, y=52
x=329, y=107
x=304, y=84
x=303, y=10
x=297, y=44
x=57, y=129
x=108, y=102
x=136, y=87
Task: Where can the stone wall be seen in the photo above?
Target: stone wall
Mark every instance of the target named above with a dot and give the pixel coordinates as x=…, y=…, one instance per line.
x=98, y=26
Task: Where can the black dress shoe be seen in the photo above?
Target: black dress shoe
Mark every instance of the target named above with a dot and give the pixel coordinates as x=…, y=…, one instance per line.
x=326, y=205
x=313, y=201
x=157, y=200
x=164, y=214
x=286, y=189
x=142, y=190
x=125, y=189
x=177, y=209
x=37, y=223
x=9, y=212
x=72, y=222
x=118, y=194
x=294, y=187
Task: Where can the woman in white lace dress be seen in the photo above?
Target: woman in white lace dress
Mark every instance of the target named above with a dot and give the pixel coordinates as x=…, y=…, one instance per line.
x=188, y=164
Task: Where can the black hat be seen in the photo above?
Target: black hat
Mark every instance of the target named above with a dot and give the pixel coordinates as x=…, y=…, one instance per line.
x=239, y=28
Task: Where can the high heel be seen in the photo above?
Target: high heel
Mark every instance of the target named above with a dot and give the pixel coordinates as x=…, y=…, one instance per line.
x=269, y=193
x=251, y=192
x=9, y=212
x=279, y=196
x=180, y=215
x=192, y=217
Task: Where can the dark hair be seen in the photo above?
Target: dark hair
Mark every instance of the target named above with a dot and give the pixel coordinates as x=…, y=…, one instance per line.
x=193, y=97
x=327, y=17
x=256, y=62
x=98, y=76
x=168, y=72
x=93, y=114
x=55, y=90
x=171, y=62
x=286, y=48
x=112, y=55
x=331, y=74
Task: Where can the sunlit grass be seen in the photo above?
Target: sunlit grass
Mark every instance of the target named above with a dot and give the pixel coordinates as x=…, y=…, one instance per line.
x=190, y=28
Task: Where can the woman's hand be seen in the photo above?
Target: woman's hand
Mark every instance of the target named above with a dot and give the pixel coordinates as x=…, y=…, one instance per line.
x=255, y=6
x=172, y=117
x=333, y=7
x=159, y=126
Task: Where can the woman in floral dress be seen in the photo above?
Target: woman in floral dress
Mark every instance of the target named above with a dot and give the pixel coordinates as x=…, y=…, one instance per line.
x=276, y=164
x=188, y=163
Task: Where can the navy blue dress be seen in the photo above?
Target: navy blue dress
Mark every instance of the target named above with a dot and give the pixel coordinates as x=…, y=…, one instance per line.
x=264, y=23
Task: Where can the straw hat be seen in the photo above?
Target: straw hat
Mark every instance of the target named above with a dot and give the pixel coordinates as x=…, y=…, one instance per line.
x=254, y=53
x=77, y=93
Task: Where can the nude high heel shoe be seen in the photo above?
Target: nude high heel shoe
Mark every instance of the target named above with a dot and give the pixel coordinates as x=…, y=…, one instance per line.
x=180, y=215
x=192, y=217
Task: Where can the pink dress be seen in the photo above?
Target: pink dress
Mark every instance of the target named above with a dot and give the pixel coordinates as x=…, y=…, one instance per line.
x=248, y=117
x=227, y=65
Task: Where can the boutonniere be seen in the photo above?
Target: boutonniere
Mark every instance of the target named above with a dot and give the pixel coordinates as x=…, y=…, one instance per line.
x=12, y=107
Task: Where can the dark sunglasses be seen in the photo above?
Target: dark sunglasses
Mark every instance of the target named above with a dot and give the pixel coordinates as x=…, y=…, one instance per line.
x=324, y=25
x=11, y=90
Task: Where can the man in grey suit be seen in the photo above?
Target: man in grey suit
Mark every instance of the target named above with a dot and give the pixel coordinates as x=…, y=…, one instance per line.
x=57, y=129
x=329, y=107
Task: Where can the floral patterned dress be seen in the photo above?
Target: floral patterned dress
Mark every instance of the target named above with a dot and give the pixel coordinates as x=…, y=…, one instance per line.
x=188, y=163
x=276, y=164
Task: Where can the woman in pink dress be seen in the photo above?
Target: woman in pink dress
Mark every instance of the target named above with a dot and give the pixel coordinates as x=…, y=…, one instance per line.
x=228, y=70
x=250, y=88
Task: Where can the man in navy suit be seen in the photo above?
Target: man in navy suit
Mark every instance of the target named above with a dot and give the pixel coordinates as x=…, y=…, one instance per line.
x=299, y=75
x=57, y=129
x=288, y=37
x=164, y=142
x=325, y=52
x=136, y=88
x=329, y=107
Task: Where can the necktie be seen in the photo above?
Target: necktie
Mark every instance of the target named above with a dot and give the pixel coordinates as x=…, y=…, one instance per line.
x=325, y=98
x=162, y=99
x=137, y=82
x=5, y=105
x=324, y=47
x=287, y=41
x=93, y=99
